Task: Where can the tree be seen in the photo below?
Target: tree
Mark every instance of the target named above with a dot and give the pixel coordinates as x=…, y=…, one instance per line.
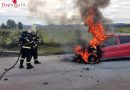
x=20, y=25
x=11, y=23
x=3, y=26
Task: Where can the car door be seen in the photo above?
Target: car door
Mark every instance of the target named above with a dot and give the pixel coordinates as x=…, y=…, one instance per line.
x=109, y=47
x=124, y=46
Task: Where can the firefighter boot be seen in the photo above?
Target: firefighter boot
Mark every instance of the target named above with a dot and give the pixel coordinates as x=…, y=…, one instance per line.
x=21, y=63
x=37, y=62
x=29, y=66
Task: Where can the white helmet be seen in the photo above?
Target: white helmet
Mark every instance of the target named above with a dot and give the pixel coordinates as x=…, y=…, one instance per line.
x=34, y=28
x=29, y=30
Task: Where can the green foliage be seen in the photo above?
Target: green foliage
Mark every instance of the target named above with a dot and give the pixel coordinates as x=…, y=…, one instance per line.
x=9, y=38
x=123, y=30
x=11, y=23
x=3, y=26
x=63, y=36
x=20, y=25
x=51, y=50
x=53, y=42
x=4, y=35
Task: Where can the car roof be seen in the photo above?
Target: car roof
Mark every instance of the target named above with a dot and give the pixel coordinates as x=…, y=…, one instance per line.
x=119, y=34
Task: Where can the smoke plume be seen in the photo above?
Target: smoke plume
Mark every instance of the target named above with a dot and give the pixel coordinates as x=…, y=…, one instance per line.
x=65, y=11
x=85, y=5
x=55, y=11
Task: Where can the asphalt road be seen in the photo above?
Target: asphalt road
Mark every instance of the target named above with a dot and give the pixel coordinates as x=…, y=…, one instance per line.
x=59, y=73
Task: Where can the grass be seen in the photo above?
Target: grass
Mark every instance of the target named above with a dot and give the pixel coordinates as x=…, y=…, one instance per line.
x=51, y=50
x=54, y=42
x=123, y=30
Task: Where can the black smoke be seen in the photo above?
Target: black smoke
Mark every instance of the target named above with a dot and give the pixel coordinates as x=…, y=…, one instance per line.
x=85, y=5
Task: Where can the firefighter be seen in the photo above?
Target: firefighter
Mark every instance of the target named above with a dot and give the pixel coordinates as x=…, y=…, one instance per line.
x=36, y=43
x=25, y=43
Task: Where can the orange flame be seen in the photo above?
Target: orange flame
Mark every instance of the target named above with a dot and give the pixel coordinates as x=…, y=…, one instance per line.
x=80, y=51
x=97, y=31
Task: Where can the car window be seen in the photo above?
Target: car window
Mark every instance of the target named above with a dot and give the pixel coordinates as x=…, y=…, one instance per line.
x=109, y=42
x=124, y=39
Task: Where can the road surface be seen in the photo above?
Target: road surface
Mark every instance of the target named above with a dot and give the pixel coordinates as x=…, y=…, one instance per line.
x=59, y=73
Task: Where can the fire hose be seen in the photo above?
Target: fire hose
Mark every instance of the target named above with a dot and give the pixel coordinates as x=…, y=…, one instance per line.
x=6, y=70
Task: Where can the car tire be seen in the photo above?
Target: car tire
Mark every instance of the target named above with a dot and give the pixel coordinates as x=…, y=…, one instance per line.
x=93, y=59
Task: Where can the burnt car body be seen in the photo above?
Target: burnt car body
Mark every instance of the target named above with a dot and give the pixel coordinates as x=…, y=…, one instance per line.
x=115, y=46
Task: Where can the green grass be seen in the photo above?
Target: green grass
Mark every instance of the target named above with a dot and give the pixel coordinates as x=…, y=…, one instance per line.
x=123, y=30
x=54, y=42
x=61, y=37
x=51, y=50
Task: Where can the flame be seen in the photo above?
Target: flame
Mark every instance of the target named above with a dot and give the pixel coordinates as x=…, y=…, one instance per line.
x=97, y=31
x=80, y=51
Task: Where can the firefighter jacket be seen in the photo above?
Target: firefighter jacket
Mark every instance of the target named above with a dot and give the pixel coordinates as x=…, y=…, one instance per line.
x=35, y=40
x=26, y=40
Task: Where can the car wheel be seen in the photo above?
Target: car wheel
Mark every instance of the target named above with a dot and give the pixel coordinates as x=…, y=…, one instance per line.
x=93, y=59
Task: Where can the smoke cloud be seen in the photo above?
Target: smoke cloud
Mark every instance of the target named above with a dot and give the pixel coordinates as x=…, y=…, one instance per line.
x=65, y=11
x=55, y=11
x=85, y=5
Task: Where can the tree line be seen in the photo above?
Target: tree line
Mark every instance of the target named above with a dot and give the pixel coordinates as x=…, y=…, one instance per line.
x=11, y=24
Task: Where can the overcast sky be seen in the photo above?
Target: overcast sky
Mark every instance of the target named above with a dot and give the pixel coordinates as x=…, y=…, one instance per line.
x=118, y=11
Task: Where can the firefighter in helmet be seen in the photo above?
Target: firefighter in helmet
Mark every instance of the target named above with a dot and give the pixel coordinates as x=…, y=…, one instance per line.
x=26, y=42
x=36, y=42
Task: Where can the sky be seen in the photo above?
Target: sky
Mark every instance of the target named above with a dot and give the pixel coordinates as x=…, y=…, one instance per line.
x=52, y=11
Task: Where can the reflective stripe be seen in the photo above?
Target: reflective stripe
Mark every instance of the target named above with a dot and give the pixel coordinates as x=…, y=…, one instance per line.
x=27, y=40
x=26, y=47
x=36, y=60
x=28, y=62
x=22, y=59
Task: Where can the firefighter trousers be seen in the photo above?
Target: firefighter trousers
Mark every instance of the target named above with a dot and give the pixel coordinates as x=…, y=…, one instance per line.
x=26, y=54
x=34, y=53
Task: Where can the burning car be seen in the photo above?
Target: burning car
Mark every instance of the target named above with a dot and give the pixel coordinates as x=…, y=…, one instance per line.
x=112, y=47
x=101, y=46
x=92, y=52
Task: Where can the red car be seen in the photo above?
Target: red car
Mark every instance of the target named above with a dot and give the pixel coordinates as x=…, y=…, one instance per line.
x=116, y=46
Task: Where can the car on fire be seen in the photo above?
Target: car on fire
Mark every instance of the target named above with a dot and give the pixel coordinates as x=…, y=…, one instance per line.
x=113, y=47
